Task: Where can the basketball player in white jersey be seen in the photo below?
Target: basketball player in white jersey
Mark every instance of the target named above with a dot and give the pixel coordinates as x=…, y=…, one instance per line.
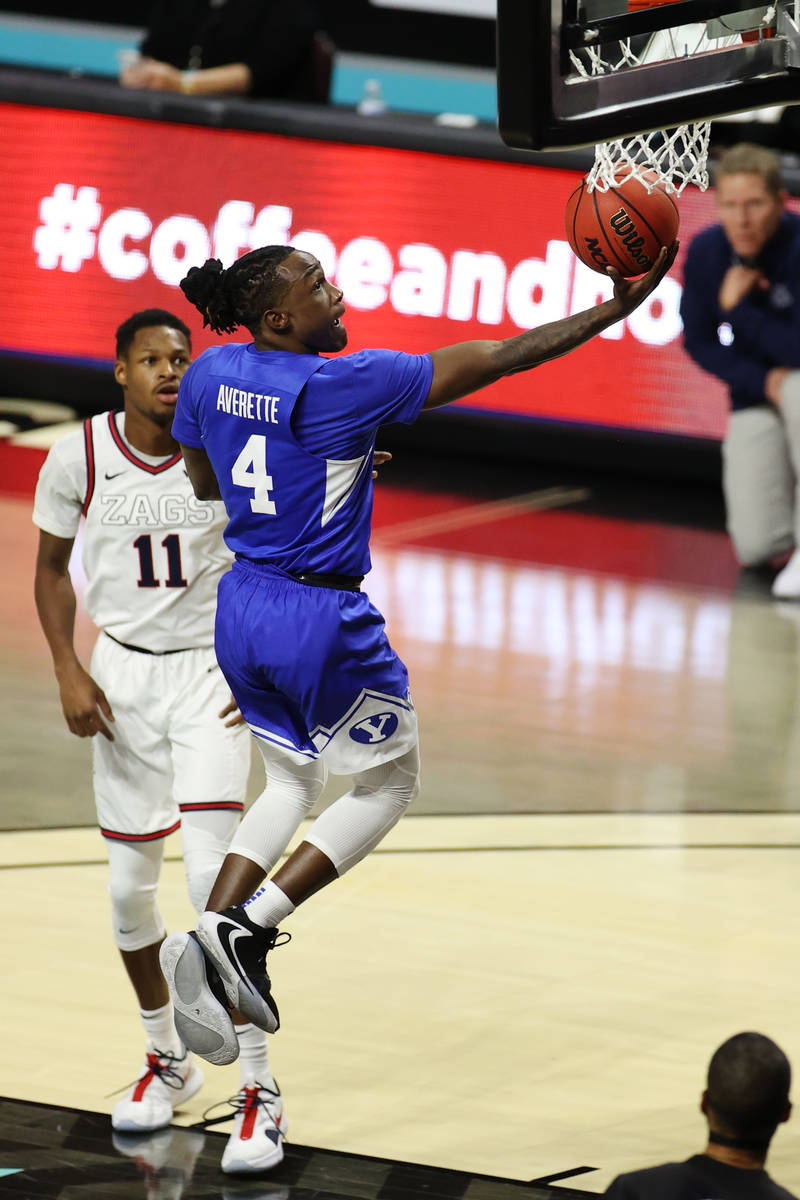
x=172, y=748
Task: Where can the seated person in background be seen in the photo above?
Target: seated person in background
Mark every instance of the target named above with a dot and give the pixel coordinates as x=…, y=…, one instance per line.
x=228, y=48
x=746, y=1098
x=741, y=315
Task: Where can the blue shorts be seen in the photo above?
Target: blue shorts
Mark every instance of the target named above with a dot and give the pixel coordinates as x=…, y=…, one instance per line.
x=312, y=669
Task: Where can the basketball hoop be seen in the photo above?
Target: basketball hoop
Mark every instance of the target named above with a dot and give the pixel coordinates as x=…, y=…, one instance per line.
x=666, y=158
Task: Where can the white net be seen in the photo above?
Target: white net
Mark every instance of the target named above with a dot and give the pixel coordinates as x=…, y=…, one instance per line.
x=668, y=158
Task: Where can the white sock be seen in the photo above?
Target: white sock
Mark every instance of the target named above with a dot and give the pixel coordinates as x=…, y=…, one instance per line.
x=268, y=906
x=254, y=1057
x=159, y=1025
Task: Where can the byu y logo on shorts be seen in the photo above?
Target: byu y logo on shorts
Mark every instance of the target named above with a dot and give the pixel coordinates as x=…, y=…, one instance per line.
x=376, y=728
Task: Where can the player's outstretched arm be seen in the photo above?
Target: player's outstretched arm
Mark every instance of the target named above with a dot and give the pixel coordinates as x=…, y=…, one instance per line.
x=83, y=702
x=468, y=366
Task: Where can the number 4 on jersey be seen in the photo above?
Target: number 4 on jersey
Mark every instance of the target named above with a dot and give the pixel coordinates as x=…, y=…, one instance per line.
x=250, y=471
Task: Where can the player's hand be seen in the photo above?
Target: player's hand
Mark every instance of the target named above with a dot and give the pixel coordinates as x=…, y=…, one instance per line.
x=84, y=704
x=737, y=282
x=630, y=293
x=232, y=708
x=150, y=73
x=378, y=459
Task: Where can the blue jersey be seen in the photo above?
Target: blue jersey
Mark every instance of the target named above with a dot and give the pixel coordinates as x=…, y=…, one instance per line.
x=291, y=439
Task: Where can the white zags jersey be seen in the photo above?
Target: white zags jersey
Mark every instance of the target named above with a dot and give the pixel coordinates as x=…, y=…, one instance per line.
x=152, y=552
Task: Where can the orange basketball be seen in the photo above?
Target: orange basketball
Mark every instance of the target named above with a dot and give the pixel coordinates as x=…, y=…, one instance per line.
x=623, y=227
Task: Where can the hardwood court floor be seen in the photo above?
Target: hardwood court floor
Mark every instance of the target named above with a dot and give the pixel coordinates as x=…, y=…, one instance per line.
x=597, y=886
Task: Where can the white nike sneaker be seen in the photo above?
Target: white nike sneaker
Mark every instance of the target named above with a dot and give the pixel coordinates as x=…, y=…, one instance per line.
x=786, y=584
x=165, y=1084
x=256, y=1143
x=202, y=1019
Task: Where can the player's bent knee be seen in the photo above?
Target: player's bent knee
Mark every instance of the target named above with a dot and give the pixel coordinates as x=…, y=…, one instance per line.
x=397, y=780
x=136, y=920
x=272, y=820
x=133, y=870
x=407, y=781
x=355, y=823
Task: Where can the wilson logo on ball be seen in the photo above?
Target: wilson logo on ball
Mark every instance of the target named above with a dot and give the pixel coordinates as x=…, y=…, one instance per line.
x=625, y=229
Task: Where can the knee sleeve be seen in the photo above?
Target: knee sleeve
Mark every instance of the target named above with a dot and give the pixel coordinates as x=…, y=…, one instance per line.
x=133, y=870
x=356, y=822
x=206, y=835
x=291, y=791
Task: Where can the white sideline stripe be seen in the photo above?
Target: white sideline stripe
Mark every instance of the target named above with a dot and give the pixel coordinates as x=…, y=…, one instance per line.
x=481, y=831
x=481, y=514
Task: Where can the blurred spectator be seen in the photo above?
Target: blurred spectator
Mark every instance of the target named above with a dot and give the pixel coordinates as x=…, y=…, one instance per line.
x=229, y=47
x=741, y=314
x=746, y=1098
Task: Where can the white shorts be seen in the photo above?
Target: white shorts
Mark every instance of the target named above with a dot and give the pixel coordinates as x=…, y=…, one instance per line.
x=171, y=751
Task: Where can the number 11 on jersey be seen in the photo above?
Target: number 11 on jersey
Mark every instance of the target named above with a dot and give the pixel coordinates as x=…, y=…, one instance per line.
x=250, y=471
x=147, y=575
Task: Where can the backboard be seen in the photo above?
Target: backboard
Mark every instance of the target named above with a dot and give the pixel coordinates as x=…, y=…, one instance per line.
x=578, y=72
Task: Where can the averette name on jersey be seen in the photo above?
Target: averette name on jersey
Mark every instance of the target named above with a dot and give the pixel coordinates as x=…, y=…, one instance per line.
x=238, y=403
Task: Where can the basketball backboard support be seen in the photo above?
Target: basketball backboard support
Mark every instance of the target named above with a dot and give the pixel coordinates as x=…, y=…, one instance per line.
x=550, y=99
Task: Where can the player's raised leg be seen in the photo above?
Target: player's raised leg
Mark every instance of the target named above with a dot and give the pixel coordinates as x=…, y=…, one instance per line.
x=290, y=793
x=238, y=938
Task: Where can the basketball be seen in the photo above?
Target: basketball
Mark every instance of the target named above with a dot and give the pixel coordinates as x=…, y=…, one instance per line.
x=623, y=227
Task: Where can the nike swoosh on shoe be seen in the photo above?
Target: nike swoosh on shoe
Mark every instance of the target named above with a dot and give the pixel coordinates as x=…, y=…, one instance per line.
x=227, y=935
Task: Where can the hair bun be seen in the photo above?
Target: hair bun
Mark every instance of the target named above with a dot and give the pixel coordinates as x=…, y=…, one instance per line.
x=201, y=284
x=205, y=288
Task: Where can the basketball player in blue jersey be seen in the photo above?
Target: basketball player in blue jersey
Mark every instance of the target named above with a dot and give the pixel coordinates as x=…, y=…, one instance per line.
x=169, y=748
x=285, y=436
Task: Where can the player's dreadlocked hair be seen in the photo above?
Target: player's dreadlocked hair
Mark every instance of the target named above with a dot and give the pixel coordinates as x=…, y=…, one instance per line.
x=240, y=295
